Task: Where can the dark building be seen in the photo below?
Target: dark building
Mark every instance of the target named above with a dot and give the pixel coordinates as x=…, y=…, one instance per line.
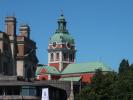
x=6, y=61
x=17, y=53
x=18, y=62
x=14, y=89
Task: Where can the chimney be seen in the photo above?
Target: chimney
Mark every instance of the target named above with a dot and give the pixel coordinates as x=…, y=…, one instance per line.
x=25, y=30
x=10, y=27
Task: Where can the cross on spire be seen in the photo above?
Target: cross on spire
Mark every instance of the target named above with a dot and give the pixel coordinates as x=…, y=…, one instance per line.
x=61, y=11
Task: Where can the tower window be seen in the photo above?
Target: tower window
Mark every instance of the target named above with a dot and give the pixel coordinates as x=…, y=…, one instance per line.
x=52, y=57
x=57, y=56
x=71, y=57
x=65, y=56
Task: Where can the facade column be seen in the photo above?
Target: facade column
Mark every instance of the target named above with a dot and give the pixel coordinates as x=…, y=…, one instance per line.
x=60, y=60
x=49, y=77
x=49, y=58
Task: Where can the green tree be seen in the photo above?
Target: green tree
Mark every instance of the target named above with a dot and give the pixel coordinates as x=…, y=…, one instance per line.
x=110, y=85
x=100, y=87
x=124, y=66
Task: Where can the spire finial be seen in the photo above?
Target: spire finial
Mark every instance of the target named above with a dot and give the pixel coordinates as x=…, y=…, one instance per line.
x=61, y=12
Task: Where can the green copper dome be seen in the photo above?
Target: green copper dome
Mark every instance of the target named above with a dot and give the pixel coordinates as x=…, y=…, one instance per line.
x=61, y=35
x=61, y=38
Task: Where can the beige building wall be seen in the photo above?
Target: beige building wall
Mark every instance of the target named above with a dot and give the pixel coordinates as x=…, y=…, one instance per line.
x=20, y=68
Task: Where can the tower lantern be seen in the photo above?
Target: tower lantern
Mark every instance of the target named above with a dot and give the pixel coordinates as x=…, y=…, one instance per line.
x=62, y=24
x=61, y=47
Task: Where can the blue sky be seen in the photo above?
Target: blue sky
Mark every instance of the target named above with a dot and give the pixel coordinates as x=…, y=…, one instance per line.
x=102, y=29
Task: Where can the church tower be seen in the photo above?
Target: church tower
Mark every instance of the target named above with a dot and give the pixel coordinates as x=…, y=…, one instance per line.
x=61, y=47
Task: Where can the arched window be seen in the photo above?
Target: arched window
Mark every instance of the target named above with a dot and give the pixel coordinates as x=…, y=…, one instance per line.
x=70, y=57
x=57, y=56
x=52, y=57
x=65, y=56
x=43, y=78
x=73, y=56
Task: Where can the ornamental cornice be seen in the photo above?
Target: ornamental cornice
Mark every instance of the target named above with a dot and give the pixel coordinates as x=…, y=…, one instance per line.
x=60, y=49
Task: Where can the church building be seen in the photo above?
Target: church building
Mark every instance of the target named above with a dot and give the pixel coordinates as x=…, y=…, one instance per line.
x=61, y=47
x=62, y=59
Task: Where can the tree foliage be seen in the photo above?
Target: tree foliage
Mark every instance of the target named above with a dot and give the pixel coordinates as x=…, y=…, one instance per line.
x=111, y=85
